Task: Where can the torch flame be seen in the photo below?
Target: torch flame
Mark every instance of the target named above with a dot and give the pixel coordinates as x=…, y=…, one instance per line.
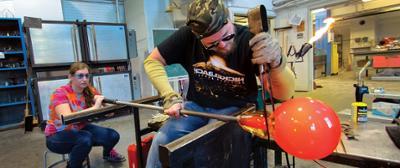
x=322, y=31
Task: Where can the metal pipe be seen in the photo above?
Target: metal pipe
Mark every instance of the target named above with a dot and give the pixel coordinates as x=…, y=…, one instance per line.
x=94, y=45
x=183, y=111
x=361, y=71
x=138, y=137
x=117, y=7
x=73, y=40
x=366, y=14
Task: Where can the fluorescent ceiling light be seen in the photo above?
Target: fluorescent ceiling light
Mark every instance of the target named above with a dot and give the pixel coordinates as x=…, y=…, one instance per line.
x=318, y=10
x=393, y=8
x=366, y=0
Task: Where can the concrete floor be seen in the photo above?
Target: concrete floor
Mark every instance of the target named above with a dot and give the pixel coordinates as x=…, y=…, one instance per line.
x=26, y=150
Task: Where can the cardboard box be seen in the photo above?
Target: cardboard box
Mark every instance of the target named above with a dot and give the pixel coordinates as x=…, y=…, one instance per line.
x=385, y=109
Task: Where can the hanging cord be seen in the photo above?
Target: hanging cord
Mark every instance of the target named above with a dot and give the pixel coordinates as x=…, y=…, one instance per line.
x=262, y=71
x=271, y=98
x=292, y=51
x=293, y=160
x=342, y=144
x=287, y=159
x=319, y=164
x=344, y=149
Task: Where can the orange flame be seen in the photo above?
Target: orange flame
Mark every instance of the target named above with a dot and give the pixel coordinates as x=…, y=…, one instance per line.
x=322, y=31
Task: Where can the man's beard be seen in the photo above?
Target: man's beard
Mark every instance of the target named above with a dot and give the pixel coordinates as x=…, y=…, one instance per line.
x=225, y=54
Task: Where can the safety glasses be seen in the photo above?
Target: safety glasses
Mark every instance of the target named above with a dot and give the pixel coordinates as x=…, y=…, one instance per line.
x=216, y=43
x=81, y=76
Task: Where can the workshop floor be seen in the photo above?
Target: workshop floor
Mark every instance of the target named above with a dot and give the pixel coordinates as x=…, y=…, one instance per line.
x=26, y=150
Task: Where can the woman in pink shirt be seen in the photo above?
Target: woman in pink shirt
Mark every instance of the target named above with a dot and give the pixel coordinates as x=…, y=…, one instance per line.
x=77, y=139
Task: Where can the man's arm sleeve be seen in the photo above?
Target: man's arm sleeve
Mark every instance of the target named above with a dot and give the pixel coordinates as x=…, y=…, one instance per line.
x=158, y=77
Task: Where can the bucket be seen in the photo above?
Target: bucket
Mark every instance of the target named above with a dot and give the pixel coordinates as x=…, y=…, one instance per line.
x=132, y=156
x=359, y=112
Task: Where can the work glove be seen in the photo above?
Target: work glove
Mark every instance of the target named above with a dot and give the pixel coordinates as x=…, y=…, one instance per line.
x=173, y=103
x=265, y=50
x=158, y=77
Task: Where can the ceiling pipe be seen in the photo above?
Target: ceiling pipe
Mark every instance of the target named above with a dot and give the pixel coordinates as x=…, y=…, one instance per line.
x=366, y=14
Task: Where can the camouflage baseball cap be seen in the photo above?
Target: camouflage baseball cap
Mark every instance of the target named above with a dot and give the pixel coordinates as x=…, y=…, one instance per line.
x=206, y=17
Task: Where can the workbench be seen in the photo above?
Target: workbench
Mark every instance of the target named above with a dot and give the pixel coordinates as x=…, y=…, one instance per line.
x=369, y=53
x=373, y=148
x=386, y=95
x=227, y=145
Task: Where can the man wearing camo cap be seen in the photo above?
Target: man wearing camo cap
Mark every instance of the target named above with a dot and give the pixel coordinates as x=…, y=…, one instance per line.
x=222, y=61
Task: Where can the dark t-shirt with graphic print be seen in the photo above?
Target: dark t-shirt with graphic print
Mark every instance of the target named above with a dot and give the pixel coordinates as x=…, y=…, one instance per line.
x=215, y=81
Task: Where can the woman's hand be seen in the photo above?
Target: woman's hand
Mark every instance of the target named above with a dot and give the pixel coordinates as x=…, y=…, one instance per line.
x=98, y=99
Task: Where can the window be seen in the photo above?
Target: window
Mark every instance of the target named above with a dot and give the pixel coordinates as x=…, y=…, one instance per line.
x=94, y=10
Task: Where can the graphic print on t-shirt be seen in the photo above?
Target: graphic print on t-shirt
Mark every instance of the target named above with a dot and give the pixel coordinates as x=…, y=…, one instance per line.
x=214, y=78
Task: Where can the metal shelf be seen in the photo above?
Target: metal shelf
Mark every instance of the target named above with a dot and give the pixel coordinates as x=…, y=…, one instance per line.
x=12, y=86
x=10, y=37
x=13, y=110
x=12, y=52
x=13, y=103
x=12, y=69
x=373, y=53
x=10, y=126
x=386, y=78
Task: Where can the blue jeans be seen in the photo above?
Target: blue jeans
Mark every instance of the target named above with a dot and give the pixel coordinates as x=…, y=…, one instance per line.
x=78, y=143
x=176, y=128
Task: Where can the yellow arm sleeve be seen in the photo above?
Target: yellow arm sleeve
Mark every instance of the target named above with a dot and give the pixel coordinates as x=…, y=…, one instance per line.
x=282, y=80
x=158, y=77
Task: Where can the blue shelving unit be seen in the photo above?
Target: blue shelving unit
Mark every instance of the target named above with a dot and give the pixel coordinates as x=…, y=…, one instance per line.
x=15, y=86
x=12, y=86
x=13, y=52
x=10, y=37
x=12, y=103
x=12, y=69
